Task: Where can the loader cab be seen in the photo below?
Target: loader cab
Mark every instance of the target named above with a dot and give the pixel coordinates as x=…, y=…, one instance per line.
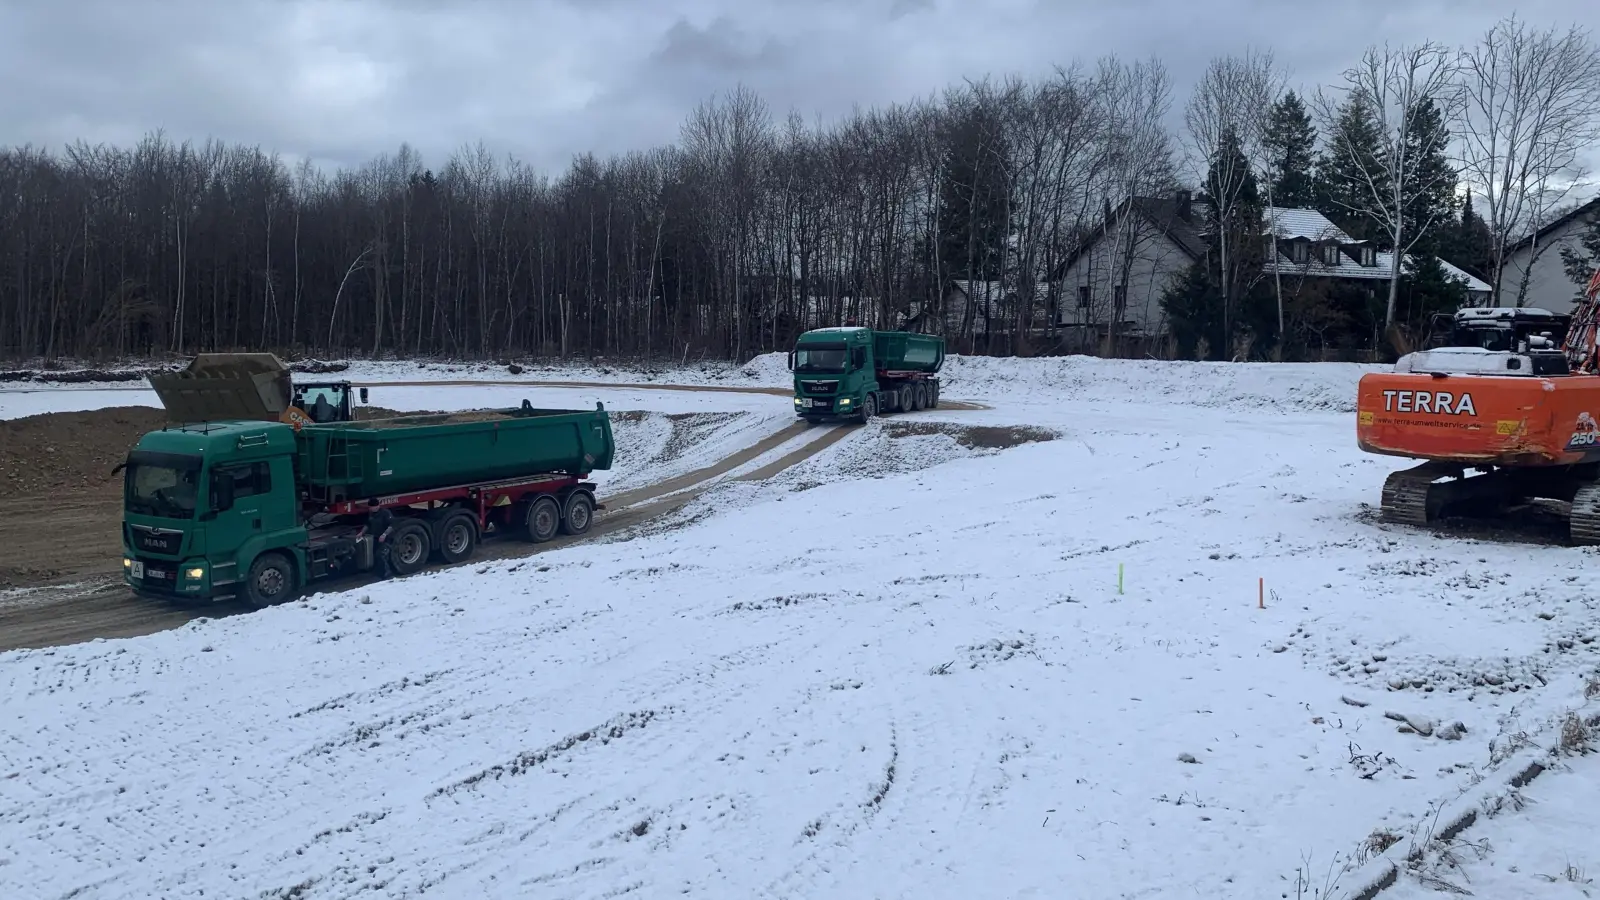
x=326, y=401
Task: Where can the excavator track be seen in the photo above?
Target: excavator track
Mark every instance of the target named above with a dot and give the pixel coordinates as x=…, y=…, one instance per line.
x=1584, y=520
x=1415, y=496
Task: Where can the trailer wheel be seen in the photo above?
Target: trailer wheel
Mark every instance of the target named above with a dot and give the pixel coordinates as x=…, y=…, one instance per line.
x=919, y=398
x=579, y=515
x=933, y=395
x=458, y=537
x=904, y=399
x=409, y=547
x=544, y=520
x=271, y=580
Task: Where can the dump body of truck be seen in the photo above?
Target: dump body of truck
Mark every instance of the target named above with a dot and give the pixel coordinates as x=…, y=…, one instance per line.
x=260, y=509
x=856, y=373
x=411, y=453
x=222, y=387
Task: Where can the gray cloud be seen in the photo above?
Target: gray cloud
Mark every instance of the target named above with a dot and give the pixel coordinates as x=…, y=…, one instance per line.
x=339, y=82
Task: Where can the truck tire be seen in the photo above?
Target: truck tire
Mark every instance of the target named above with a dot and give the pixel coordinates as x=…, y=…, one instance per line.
x=457, y=538
x=410, y=545
x=869, y=408
x=271, y=580
x=933, y=395
x=579, y=514
x=919, y=398
x=904, y=398
x=544, y=520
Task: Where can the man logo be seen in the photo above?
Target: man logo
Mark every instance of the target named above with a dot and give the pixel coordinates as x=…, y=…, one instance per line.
x=1442, y=403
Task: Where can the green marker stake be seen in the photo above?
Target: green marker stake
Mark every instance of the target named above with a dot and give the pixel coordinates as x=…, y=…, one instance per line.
x=1119, y=578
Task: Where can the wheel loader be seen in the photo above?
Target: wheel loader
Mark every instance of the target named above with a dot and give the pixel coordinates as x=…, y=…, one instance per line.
x=250, y=386
x=1502, y=416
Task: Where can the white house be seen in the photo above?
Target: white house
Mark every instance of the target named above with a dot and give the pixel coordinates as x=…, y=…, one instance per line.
x=1539, y=256
x=1146, y=245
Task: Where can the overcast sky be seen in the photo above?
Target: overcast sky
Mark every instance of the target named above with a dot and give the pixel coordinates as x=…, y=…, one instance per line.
x=543, y=79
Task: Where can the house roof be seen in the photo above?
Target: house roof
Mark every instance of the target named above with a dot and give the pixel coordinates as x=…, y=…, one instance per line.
x=1593, y=206
x=1351, y=268
x=1305, y=223
x=1162, y=212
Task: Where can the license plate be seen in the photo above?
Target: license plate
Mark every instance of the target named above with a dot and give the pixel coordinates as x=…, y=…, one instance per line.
x=815, y=403
x=156, y=574
x=138, y=570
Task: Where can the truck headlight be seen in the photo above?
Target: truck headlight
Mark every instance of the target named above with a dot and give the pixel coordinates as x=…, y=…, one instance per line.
x=127, y=563
x=797, y=401
x=196, y=573
x=844, y=401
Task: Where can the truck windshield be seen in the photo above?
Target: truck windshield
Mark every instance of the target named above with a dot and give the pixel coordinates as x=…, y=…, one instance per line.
x=162, y=484
x=820, y=358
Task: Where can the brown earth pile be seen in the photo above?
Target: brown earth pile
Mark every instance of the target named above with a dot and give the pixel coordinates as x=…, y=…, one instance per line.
x=70, y=451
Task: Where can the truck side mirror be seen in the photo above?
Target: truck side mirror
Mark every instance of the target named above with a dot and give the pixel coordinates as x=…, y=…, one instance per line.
x=221, y=491
x=363, y=395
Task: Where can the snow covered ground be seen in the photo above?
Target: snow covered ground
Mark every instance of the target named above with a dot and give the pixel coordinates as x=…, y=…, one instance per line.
x=904, y=667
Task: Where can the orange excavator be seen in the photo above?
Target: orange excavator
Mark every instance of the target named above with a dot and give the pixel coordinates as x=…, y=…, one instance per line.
x=1502, y=416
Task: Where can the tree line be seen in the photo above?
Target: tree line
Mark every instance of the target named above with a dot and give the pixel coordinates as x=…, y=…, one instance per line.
x=754, y=227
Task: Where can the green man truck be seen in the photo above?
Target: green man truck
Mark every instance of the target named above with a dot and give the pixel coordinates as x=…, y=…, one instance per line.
x=856, y=373
x=259, y=509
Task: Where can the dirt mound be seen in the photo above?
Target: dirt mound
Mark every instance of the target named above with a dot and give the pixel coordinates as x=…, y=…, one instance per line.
x=973, y=437
x=72, y=451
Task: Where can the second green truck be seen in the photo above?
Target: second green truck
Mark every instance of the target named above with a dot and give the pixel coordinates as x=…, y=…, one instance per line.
x=856, y=373
x=260, y=509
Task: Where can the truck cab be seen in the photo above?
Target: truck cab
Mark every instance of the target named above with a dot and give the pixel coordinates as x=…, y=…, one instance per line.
x=854, y=373
x=204, y=505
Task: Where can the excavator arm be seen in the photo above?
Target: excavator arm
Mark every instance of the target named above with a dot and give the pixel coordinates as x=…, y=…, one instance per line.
x=1580, y=344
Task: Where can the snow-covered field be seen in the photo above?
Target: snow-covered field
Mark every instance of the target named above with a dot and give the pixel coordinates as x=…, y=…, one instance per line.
x=902, y=668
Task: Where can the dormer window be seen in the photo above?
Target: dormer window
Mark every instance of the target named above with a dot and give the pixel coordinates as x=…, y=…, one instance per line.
x=1299, y=251
x=1369, y=256
x=1330, y=254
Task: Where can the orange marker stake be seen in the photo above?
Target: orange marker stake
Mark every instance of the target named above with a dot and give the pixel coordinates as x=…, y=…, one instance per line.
x=1261, y=593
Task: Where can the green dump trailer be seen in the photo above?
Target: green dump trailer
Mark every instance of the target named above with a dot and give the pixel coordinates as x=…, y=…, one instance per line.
x=856, y=373
x=259, y=509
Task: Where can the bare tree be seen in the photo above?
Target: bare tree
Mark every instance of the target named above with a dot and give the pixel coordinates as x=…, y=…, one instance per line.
x=1531, y=105
x=1227, y=121
x=1397, y=84
x=1136, y=159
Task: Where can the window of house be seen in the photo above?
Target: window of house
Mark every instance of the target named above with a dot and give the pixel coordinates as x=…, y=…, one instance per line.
x=1119, y=296
x=1083, y=296
x=1369, y=256
x=1299, y=253
x=1331, y=254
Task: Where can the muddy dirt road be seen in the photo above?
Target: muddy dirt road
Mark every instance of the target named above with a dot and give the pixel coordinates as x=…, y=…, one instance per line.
x=87, y=605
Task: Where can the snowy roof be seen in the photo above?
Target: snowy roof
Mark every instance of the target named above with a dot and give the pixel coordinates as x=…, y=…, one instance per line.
x=1305, y=223
x=1352, y=268
x=843, y=329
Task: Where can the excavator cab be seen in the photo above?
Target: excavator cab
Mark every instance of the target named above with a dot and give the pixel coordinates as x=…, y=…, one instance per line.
x=1505, y=329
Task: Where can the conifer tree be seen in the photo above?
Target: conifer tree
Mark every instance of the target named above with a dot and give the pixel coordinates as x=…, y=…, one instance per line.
x=1291, y=143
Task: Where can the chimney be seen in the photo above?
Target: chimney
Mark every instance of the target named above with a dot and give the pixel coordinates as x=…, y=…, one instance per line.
x=1185, y=205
